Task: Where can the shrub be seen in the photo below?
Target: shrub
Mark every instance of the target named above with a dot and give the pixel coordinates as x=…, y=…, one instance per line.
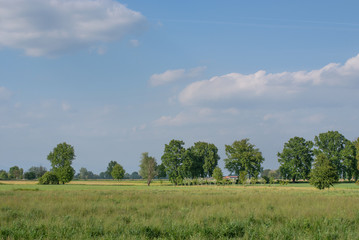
x=49, y=178
x=266, y=179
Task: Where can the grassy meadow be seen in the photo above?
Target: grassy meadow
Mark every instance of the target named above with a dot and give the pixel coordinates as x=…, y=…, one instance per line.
x=131, y=210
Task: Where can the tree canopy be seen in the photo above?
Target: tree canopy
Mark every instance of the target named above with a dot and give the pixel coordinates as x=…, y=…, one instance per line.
x=340, y=151
x=173, y=157
x=202, y=158
x=324, y=173
x=117, y=172
x=243, y=156
x=61, y=159
x=296, y=159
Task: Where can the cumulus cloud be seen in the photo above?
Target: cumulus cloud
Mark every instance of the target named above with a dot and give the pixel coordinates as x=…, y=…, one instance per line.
x=175, y=75
x=43, y=27
x=270, y=85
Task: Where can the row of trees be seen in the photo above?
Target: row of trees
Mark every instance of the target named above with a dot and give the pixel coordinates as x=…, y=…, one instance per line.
x=331, y=148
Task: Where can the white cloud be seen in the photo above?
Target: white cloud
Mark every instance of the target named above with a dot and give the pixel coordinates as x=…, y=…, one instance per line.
x=270, y=85
x=43, y=27
x=186, y=117
x=5, y=94
x=175, y=75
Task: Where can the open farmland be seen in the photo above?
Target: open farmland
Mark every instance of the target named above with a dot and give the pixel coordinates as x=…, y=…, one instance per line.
x=131, y=210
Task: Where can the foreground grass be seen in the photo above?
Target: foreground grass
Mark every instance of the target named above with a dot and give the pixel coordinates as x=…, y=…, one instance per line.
x=82, y=211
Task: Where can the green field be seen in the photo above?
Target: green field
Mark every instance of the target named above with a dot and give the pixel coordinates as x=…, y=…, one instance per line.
x=131, y=210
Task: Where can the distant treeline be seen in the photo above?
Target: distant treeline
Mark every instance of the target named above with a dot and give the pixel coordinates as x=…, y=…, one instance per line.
x=299, y=160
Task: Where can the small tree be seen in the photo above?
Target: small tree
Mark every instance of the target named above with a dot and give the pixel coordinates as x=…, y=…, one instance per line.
x=217, y=174
x=118, y=172
x=324, y=173
x=108, y=173
x=148, y=167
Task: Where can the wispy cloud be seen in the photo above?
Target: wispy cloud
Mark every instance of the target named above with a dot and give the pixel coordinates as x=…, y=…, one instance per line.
x=263, y=85
x=42, y=27
x=4, y=93
x=175, y=75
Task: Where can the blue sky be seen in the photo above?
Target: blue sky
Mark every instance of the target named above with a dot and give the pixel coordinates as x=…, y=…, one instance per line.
x=118, y=78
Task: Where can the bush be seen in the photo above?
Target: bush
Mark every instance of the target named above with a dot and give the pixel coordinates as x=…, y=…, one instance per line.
x=266, y=179
x=49, y=178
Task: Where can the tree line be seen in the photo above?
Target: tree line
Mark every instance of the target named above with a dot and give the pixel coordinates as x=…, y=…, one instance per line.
x=330, y=157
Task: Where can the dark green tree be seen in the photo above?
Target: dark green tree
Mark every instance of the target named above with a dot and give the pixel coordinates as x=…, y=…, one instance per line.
x=203, y=158
x=148, y=167
x=218, y=174
x=16, y=173
x=4, y=175
x=108, y=173
x=161, y=169
x=243, y=156
x=61, y=159
x=356, y=144
x=339, y=151
x=117, y=172
x=30, y=175
x=324, y=173
x=173, y=157
x=296, y=159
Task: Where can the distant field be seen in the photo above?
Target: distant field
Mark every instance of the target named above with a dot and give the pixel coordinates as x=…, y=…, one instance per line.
x=131, y=210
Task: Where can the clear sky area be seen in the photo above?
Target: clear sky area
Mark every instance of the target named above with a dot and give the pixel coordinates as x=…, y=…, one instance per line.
x=118, y=78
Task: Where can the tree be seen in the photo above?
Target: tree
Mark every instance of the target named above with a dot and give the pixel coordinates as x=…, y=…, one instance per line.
x=243, y=156
x=30, y=175
x=61, y=159
x=203, y=158
x=84, y=174
x=217, y=174
x=339, y=151
x=39, y=171
x=3, y=175
x=296, y=159
x=135, y=175
x=16, y=173
x=148, y=167
x=356, y=144
x=173, y=157
x=108, y=173
x=161, y=170
x=117, y=172
x=324, y=173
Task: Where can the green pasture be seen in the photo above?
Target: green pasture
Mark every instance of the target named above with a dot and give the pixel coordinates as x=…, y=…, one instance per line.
x=124, y=210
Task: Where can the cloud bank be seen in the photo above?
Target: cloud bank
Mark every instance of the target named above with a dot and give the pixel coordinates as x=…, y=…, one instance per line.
x=44, y=27
x=270, y=85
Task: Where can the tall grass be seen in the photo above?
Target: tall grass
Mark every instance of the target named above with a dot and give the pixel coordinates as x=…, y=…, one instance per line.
x=166, y=212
